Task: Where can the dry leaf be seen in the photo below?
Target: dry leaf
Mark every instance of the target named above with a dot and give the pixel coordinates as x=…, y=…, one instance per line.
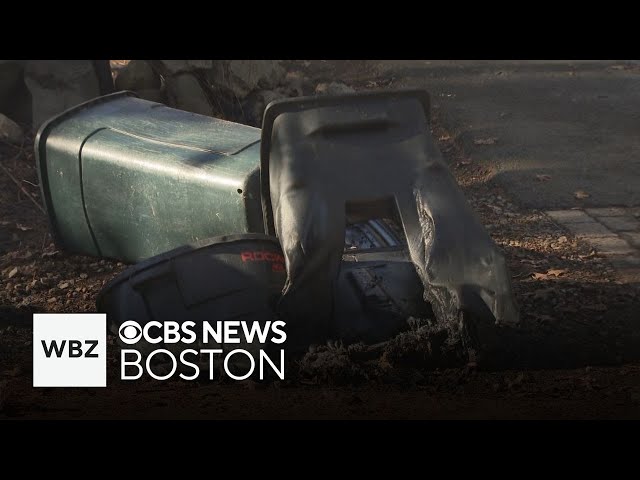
x=24, y=228
x=485, y=141
x=13, y=272
x=556, y=272
x=581, y=194
x=543, y=177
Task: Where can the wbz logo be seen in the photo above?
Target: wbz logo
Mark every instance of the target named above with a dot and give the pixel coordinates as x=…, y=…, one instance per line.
x=74, y=350
x=69, y=350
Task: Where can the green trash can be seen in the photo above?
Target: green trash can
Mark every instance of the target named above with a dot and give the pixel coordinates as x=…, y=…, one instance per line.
x=128, y=179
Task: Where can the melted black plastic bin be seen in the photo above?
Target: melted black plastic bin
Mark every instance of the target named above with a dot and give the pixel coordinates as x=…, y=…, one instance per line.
x=372, y=154
x=235, y=277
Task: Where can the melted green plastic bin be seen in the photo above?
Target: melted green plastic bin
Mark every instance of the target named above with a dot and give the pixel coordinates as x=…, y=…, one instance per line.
x=128, y=179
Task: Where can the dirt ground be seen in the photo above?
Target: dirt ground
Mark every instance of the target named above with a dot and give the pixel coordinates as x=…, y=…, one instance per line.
x=575, y=355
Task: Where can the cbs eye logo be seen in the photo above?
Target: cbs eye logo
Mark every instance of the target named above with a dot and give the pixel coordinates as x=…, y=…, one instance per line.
x=130, y=332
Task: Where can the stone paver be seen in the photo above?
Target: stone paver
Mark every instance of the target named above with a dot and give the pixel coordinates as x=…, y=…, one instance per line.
x=613, y=231
x=589, y=229
x=620, y=224
x=611, y=245
x=607, y=212
x=569, y=216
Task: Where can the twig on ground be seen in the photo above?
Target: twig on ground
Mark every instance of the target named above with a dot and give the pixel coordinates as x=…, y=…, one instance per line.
x=19, y=185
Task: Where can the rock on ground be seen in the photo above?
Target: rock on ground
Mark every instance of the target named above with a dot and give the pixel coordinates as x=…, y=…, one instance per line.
x=297, y=84
x=333, y=88
x=15, y=100
x=256, y=103
x=57, y=85
x=244, y=76
x=10, y=76
x=10, y=131
x=185, y=92
x=138, y=75
x=172, y=67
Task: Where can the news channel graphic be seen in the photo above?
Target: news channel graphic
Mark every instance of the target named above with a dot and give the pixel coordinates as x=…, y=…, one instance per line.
x=70, y=349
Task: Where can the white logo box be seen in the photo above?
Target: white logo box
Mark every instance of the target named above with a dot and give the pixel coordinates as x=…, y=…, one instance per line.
x=76, y=343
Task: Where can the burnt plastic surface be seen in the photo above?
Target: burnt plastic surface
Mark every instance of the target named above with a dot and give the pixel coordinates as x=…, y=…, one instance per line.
x=240, y=277
x=371, y=155
x=374, y=299
x=236, y=277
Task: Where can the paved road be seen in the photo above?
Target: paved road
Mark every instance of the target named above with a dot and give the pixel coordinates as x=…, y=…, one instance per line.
x=576, y=121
